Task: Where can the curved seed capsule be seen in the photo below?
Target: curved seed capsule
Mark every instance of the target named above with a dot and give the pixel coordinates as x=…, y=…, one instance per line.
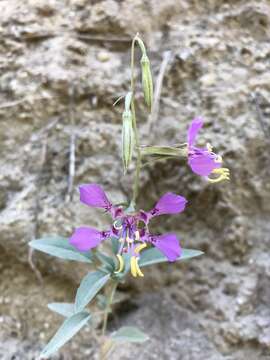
x=139, y=272
x=147, y=82
x=121, y=264
x=133, y=266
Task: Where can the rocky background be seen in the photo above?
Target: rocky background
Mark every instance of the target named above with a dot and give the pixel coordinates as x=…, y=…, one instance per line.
x=62, y=65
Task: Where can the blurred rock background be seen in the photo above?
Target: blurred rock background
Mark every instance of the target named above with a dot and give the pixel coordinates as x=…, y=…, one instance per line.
x=62, y=65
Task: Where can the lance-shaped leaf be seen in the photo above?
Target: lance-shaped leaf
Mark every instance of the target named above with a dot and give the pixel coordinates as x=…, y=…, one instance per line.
x=115, y=244
x=64, y=309
x=67, y=330
x=154, y=256
x=59, y=246
x=129, y=334
x=89, y=287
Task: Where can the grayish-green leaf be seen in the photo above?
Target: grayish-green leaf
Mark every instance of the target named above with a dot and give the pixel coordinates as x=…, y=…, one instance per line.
x=129, y=334
x=59, y=246
x=115, y=244
x=154, y=256
x=64, y=309
x=89, y=287
x=106, y=260
x=67, y=330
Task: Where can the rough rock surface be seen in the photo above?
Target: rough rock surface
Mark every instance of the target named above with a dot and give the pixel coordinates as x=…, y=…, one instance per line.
x=57, y=53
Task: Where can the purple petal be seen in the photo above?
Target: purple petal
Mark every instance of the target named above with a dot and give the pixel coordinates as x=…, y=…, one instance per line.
x=93, y=195
x=169, y=203
x=169, y=245
x=85, y=238
x=193, y=130
x=203, y=163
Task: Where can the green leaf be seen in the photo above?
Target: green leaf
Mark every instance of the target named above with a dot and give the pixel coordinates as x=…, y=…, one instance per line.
x=129, y=334
x=154, y=256
x=60, y=247
x=170, y=151
x=66, y=331
x=64, y=309
x=90, y=286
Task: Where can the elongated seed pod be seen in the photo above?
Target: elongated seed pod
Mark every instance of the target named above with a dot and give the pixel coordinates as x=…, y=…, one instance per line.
x=127, y=139
x=147, y=82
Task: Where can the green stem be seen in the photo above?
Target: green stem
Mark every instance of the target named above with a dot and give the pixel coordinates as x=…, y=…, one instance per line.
x=134, y=121
x=108, y=305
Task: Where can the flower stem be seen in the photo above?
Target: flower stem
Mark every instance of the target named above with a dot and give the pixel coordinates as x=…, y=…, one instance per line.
x=134, y=121
x=108, y=305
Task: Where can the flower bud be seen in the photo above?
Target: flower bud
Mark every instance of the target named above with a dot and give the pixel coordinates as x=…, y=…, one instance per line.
x=127, y=139
x=147, y=81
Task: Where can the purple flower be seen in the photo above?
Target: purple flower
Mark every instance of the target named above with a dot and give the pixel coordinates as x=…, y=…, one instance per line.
x=131, y=229
x=85, y=238
x=203, y=161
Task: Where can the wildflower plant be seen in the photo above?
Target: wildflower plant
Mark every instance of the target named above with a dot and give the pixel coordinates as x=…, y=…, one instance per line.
x=132, y=246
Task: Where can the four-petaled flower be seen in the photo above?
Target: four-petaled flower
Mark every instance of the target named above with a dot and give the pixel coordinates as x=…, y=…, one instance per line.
x=130, y=228
x=203, y=161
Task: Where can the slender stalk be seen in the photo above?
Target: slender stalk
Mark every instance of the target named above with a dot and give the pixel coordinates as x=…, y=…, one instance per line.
x=134, y=121
x=108, y=305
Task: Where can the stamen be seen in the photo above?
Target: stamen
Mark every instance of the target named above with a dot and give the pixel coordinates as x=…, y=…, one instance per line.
x=134, y=267
x=139, y=248
x=137, y=235
x=121, y=240
x=129, y=240
x=209, y=147
x=223, y=174
x=121, y=264
x=117, y=225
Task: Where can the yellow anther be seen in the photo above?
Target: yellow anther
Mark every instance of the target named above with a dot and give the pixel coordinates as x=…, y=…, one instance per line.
x=223, y=174
x=139, y=272
x=121, y=264
x=134, y=267
x=209, y=147
x=139, y=248
x=137, y=235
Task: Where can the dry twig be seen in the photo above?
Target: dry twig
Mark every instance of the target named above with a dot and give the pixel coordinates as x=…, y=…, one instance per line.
x=72, y=146
x=37, y=208
x=158, y=87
